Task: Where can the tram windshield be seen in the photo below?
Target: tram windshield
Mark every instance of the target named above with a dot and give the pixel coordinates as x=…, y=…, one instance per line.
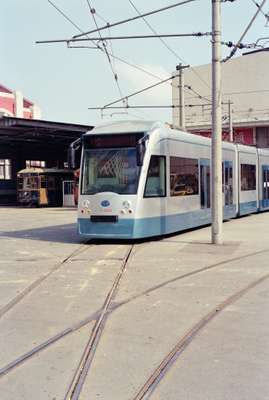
x=110, y=170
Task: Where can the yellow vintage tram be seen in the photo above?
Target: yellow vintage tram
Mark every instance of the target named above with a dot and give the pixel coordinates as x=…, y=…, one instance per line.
x=41, y=186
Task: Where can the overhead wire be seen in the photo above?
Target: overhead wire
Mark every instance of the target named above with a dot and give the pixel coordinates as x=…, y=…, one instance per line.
x=164, y=42
x=109, y=42
x=137, y=17
x=139, y=91
x=236, y=46
x=65, y=16
x=265, y=15
x=155, y=32
x=134, y=66
x=105, y=49
x=120, y=59
x=112, y=55
x=139, y=68
x=197, y=94
x=113, y=59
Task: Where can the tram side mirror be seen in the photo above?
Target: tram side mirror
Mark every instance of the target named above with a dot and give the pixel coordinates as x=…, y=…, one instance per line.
x=71, y=153
x=140, y=153
x=71, y=157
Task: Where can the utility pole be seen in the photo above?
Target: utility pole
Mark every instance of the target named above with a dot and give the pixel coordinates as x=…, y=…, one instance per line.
x=216, y=156
x=181, y=97
x=231, y=136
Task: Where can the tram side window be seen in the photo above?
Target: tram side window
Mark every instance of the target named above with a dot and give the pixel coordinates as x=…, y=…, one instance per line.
x=184, y=174
x=248, y=177
x=156, y=183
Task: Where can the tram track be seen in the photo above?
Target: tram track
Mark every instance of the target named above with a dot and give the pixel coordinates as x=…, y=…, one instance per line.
x=93, y=317
x=83, y=367
x=8, y=306
x=159, y=373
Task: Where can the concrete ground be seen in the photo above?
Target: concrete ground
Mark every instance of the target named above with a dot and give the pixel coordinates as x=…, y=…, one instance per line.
x=50, y=281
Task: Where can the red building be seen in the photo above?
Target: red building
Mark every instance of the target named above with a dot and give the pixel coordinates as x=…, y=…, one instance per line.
x=13, y=104
x=252, y=133
x=244, y=134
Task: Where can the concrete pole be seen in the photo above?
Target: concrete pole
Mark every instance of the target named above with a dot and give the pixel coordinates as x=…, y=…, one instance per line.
x=231, y=135
x=216, y=156
x=181, y=96
x=181, y=99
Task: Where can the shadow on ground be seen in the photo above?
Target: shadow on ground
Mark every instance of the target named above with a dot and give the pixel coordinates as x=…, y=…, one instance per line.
x=60, y=233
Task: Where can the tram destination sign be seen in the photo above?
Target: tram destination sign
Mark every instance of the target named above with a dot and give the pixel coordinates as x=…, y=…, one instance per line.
x=110, y=141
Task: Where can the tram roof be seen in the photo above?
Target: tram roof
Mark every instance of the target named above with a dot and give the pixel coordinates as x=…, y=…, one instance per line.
x=123, y=127
x=131, y=126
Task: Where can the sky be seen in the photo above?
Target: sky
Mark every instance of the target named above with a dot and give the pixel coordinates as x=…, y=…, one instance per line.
x=64, y=82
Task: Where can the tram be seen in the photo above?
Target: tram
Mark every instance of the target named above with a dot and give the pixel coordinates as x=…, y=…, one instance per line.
x=41, y=186
x=143, y=179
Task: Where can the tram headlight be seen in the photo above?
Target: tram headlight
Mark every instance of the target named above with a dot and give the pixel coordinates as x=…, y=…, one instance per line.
x=126, y=207
x=126, y=204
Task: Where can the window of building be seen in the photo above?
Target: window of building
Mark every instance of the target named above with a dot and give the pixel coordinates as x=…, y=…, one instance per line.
x=156, y=182
x=248, y=177
x=35, y=163
x=184, y=174
x=5, y=169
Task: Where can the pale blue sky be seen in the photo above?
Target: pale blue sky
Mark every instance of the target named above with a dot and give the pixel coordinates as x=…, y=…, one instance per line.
x=65, y=82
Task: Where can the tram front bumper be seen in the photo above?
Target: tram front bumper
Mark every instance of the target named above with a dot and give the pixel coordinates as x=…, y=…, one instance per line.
x=123, y=228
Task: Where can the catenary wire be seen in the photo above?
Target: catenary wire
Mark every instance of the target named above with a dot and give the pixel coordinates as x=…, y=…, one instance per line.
x=134, y=66
x=117, y=58
x=109, y=26
x=164, y=42
x=232, y=53
x=139, y=68
x=155, y=32
x=139, y=91
x=257, y=4
x=113, y=58
x=100, y=48
x=137, y=17
x=110, y=43
x=105, y=50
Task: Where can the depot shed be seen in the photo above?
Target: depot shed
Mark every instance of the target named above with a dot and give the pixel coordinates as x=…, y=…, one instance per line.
x=28, y=143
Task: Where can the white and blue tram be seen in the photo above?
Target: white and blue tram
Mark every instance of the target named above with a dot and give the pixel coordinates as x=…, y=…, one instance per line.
x=142, y=179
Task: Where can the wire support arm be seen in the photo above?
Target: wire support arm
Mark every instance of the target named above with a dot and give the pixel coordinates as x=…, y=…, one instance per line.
x=145, y=106
x=139, y=91
x=195, y=34
x=180, y=3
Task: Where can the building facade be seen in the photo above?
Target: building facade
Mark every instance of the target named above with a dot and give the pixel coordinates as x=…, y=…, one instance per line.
x=245, y=99
x=13, y=104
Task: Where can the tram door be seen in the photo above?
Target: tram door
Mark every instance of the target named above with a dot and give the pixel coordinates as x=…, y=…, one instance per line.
x=227, y=182
x=265, y=174
x=205, y=183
